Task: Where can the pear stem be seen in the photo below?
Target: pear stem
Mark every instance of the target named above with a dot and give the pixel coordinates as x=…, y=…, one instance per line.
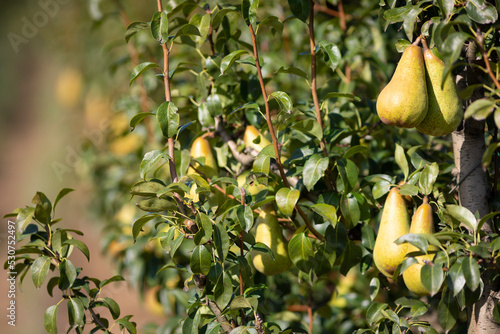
x=424, y=44
x=426, y=200
x=417, y=41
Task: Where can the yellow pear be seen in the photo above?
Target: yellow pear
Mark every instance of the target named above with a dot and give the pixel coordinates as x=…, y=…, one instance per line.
x=394, y=223
x=403, y=102
x=421, y=222
x=251, y=189
x=201, y=149
x=445, y=108
x=251, y=133
x=268, y=231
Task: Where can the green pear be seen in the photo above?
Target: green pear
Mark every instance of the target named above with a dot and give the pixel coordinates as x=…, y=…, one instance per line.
x=269, y=232
x=421, y=222
x=445, y=108
x=201, y=148
x=395, y=222
x=403, y=102
x=251, y=134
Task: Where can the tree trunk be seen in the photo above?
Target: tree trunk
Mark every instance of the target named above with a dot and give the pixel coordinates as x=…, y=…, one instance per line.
x=474, y=192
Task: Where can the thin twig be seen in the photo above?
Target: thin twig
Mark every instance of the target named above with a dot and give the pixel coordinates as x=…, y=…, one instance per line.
x=273, y=135
x=244, y=159
x=487, y=62
x=309, y=310
x=220, y=317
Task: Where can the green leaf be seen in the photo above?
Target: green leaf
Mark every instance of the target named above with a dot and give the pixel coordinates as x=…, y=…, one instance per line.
x=292, y=70
x=140, y=69
x=374, y=288
x=263, y=248
x=397, y=14
x=348, y=174
x=201, y=260
x=133, y=28
x=168, y=118
x=221, y=241
x=116, y=278
x=284, y=101
x=416, y=239
x=408, y=190
x=488, y=154
x=286, y=199
x=367, y=237
x=314, y=169
x=410, y=21
x=427, y=178
x=271, y=21
x=301, y=252
x=159, y=27
x=471, y=273
x=240, y=302
x=147, y=188
x=156, y=205
x=249, y=10
x=229, y=60
x=24, y=218
x=139, y=223
x=125, y=323
x=262, y=164
x=374, y=314
x=39, y=270
x=309, y=127
x=300, y=9
x=76, y=312
x=67, y=274
x=63, y=192
x=217, y=18
x=447, y=312
x=327, y=211
x=245, y=217
x=332, y=53
x=80, y=245
x=481, y=11
x=191, y=323
x=223, y=290
x=463, y=215
x=50, y=319
x=187, y=30
x=350, y=210
x=150, y=160
x=332, y=95
x=43, y=208
x=112, y=306
x=456, y=278
x=416, y=160
x=172, y=241
x=480, y=109
x=432, y=277
x=205, y=228
x=401, y=160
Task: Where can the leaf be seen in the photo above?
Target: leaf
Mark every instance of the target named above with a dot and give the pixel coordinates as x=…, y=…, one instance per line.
x=39, y=270
x=488, y=154
x=187, y=30
x=245, y=217
x=159, y=27
x=432, y=277
x=43, y=208
x=157, y=205
x=410, y=21
x=456, y=278
x=191, y=323
x=401, y=160
x=471, y=273
x=314, y=169
x=112, y=306
x=480, y=109
x=67, y=274
x=50, y=319
x=300, y=9
x=201, y=260
x=327, y=211
x=80, y=245
x=140, y=69
x=249, y=9
x=447, y=312
x=262, y=164
x=309, y=127
x=292, y=70
x=223, y=290
x=301, y=252
x=427, y=178
x=125, y=323
x=273, y=22
x=168, y=118
x=133, y=28
x=205, y=228
x=228, y=60
x=221, y=241
x=286, y=199
x=481, y=11
x=284, y=101
x=116, y=278
x=63, y=192
x=416, y=239
x=348, y=174
x=332, y=95
x=76, y=312
x=139, y=223
x=463, y=215
x=374, y=313
x=374, y=288
x=150, y=160
x=397, y=14
x=350, y=210
x=332, y=52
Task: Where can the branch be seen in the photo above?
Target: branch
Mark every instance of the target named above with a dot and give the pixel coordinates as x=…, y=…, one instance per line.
x=220, y=318
x=244, y=159
x=273, y=135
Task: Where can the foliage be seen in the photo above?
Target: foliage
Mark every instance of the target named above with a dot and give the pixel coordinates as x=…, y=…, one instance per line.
x=328, y=168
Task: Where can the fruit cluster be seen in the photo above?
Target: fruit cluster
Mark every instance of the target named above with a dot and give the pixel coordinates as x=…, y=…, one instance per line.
x=395, y=223
x=417, y=97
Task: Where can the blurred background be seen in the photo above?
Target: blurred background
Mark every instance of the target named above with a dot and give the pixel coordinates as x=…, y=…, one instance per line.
x=58, y=80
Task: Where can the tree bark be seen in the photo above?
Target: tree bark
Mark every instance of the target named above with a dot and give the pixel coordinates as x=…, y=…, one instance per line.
x=474, y=192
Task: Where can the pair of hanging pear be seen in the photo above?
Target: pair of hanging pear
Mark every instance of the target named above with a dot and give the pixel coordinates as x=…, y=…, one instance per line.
x=415, y=97
x=395, y=223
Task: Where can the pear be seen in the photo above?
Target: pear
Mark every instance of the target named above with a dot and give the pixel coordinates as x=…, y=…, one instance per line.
x=445, y=108
x=395, y=222
x=403, y=102
x=421, y=222
x=251, y=133
x=268, y=232
x=201, y=148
